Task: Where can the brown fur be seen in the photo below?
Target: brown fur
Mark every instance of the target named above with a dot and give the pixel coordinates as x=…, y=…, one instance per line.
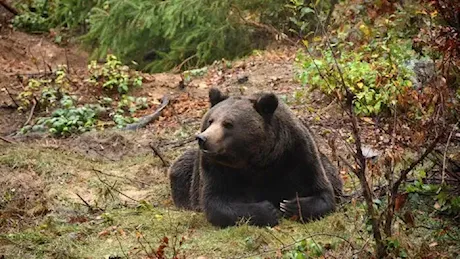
x=256, y=161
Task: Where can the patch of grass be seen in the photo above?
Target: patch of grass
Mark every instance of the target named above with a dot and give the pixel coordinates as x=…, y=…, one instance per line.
x=126, y=228
x=45, y=161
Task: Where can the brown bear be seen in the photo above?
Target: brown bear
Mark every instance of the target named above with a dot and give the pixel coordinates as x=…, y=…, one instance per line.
x=256, y=161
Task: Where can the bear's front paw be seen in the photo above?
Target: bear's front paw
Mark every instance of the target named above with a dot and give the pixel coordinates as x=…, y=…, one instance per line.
x=272, y=214
x=290, y=209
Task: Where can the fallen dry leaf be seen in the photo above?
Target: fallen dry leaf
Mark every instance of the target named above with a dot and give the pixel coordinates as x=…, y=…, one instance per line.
x=433, y=244
x=400, y=201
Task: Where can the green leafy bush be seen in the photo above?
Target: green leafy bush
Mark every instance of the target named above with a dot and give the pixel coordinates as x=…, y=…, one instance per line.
x=303, y=15
x=445, y=200
x=33, y=16
x=373, y=60
x=42, y=15
x=113, y=75
x=71, y=119
x=127, y=106
x=376, y=74
x=68, y=117
x=44, y=91
x=307, y=248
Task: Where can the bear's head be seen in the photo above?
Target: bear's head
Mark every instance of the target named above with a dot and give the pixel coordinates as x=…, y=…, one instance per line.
x=236, y=130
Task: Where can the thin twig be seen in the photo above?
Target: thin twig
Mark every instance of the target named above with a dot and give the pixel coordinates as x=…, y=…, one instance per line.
x=402, y=178
x=67, y=61
x=445, y=152
x=178, y=67
x=111, y=187
x=32, y=110
x=120, y=177
x=84, y=201
x=121, y=247
x=157, y=153
x=91, y=208
x=181, y=142
x=39, y=74
x=6, y=140
x=404, y=173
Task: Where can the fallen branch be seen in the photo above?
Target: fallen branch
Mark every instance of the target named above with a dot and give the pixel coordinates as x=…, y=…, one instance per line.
x=157, y=153
x=145, y=120
x=6, y=140
x=9, y=7
x=179, y=67
x=35, y=75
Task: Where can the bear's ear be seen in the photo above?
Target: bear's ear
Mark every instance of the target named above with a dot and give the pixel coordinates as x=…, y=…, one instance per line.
x=215, y=96
x=266, y=104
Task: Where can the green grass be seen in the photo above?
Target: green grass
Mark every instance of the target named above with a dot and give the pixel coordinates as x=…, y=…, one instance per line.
x=135, y=229
x=54, y=236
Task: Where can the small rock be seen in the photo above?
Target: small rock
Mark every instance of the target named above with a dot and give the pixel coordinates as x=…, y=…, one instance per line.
x=369, y=152
x=243, y=79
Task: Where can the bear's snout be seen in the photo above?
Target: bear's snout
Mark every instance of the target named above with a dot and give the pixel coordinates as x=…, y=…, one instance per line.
x=201, y=141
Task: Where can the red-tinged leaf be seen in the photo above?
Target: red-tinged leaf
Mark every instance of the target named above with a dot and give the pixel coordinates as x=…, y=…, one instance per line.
x=122, y=232
x=279, y=254
x=103, y=233
x=409, y=218
x=77, y=219
x=433, y=244
x=400, y=201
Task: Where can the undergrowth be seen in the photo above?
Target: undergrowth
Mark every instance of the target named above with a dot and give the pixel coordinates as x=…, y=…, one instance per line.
x=162, y=35
x=53, y=96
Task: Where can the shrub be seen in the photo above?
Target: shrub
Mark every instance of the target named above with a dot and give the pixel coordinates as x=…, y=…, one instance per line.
x=376, y=74
x=113, y=75
x=33, y=17
x=44, y=91
x=42, y=15
x=68, y=117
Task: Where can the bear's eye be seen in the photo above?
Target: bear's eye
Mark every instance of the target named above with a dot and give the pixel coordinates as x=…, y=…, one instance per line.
x=228, y=125
x=210, y=121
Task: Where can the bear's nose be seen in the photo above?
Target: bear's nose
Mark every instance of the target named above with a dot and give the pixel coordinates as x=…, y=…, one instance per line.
x=201, y=141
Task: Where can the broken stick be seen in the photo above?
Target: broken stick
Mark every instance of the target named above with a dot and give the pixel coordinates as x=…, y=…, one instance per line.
x=145, y=120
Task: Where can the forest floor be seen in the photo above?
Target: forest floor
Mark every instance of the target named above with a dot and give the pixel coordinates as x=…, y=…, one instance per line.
x=106, y=194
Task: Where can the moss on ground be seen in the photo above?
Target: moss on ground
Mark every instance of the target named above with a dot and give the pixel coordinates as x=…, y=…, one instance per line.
x=125, y=210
